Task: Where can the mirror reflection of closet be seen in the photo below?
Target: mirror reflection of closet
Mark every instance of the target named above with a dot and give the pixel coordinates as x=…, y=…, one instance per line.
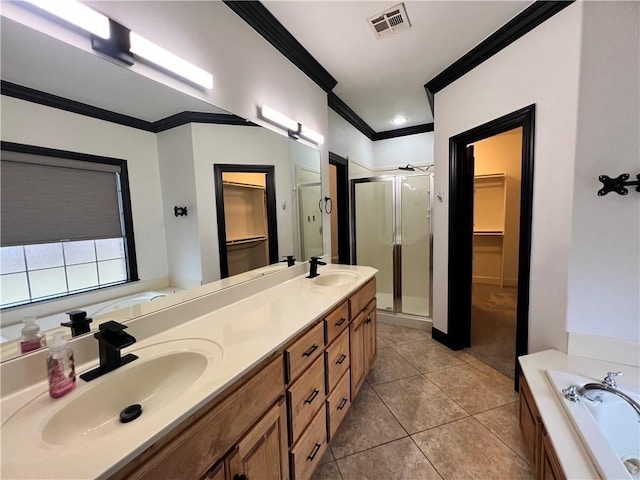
x=245, y=196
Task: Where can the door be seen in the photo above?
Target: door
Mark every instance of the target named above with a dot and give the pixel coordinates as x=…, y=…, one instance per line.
x=338, y=209
x=369, y=334
x=356, y=344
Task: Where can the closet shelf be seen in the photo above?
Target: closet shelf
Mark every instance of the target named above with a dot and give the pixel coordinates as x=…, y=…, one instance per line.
x=489, y=232
x=240, y=241
x=242, y=185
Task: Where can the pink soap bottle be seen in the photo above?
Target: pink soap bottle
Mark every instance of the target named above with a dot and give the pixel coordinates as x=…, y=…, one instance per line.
x=30, y=338
x=61, y=368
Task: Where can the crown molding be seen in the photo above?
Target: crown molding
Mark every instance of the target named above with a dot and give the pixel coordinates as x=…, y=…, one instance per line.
x=518, y=26
x=47, y=99
x=342, y=109
x=257, y=16
x=402, y=132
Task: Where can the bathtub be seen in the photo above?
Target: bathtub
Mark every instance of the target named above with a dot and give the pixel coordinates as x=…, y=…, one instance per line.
x=610, y=430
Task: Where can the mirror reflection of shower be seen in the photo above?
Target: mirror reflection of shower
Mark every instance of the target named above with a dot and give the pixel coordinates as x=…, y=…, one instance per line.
x=392, y=232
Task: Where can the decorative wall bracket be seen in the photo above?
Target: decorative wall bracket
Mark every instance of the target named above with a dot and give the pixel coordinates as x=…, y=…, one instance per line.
x=180, y=211
x=617, y=184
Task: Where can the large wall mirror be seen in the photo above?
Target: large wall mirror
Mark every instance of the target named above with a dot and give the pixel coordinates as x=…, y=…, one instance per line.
x=170, y=164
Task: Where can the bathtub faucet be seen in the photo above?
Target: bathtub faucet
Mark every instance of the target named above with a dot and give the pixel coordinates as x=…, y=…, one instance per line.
x=593, y=392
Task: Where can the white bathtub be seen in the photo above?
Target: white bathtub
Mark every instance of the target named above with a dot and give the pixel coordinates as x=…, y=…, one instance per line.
x=610, y=430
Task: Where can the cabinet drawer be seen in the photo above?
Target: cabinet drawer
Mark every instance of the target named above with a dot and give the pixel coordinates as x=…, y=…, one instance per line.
x=362, y=297
x=338, y=359
x=304, y=351
x=336, y=321
x=304, y=398
x=306, y=455
x=338, y=403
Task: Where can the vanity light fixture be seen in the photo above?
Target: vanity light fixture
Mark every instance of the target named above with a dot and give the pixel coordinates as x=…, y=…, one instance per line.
x=151, y=52
x=294, y=129
x=311, y=135
x=77, y=14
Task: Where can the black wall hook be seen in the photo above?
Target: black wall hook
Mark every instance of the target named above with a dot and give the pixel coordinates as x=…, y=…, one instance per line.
x=617, y=184
x=180, y=211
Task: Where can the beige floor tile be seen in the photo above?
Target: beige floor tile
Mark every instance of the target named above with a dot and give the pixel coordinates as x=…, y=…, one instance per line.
x=503, y=422
x=368, y=423
x=390, y=366
x=465, y=449
x=427, y=356
x=499, y=377
x=327, y=471
x=400, y=459
x=327, y=457
x=381, y=343
x=396, y=335
x=471, y=389
x=464, y=356
x=418, y=404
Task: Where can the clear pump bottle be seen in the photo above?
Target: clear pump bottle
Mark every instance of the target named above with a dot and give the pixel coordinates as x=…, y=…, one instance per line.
x=61, y=368
x=30, y=338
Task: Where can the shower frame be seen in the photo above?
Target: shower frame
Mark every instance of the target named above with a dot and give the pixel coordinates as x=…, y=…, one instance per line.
x=397, y=234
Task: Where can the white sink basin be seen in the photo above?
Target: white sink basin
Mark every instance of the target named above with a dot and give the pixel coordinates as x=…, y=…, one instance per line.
x=162, y=374
x=336, y=278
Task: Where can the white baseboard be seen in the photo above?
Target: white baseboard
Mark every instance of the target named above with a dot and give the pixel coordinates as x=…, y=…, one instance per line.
x=422, y=323
x=609, y=349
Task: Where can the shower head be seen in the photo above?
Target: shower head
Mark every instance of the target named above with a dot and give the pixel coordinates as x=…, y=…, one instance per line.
x=408, y=168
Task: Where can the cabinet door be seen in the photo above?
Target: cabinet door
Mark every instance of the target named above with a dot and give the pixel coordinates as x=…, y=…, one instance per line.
x=550, y=468
x=262, y=453
x=356, y=342
x=370, y=322
x=529, y=422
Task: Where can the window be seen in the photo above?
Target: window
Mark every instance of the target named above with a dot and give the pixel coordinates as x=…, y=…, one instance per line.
x=65, y=224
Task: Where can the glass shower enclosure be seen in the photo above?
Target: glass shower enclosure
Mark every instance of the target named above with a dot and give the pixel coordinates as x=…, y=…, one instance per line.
x=392, y=232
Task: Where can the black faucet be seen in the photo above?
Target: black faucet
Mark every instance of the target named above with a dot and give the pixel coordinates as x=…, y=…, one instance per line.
x=313, y=269
x=78, y=322
x=111, y=339
x=290, y=261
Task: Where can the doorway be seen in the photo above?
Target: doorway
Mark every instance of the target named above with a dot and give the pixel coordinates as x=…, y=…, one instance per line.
x=461, y=230
x=339, y=210
x=246, y=212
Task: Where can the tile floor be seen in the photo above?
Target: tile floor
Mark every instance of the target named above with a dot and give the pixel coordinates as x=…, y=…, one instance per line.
x=427, y=412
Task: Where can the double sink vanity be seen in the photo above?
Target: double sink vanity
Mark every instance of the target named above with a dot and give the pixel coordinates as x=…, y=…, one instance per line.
x=223, y=394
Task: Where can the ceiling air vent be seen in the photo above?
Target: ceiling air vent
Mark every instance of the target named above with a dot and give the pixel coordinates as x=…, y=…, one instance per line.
x=392, y=20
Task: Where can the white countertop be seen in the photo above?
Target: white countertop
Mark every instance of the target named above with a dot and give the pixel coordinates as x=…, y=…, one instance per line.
x=247, y=332
x=573, y=457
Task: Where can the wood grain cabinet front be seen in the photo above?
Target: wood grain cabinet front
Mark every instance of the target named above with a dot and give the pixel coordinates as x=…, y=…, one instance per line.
x=337, y=360
x=336, y=322
x=356, y=339
x=338, y=402
x=304, y=398
x=302, y=352
x=306, y=454
x=370, y=335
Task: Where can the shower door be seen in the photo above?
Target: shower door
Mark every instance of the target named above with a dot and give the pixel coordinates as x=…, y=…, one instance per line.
x=391, y=232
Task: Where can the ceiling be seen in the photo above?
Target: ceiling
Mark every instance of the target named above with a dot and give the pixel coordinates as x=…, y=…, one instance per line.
x=380, y=79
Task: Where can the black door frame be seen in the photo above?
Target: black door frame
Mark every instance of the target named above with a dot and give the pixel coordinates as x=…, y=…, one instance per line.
x=342, y=177
x=272, y=226
x=461, y=230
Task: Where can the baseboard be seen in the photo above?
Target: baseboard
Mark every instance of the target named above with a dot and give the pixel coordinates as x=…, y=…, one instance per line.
x=609, y=349
x=422, y=323
x=445, y=339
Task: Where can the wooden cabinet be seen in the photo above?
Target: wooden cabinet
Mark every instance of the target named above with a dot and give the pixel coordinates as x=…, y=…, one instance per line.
x=541, y=452
x=256, y=455
x=274, y=423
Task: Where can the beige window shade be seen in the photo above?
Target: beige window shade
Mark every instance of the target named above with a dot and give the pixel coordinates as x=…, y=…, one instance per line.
x=47, y=199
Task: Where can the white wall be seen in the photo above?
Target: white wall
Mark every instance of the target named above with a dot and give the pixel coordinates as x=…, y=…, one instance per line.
x=543, y=68
x=33, y=124
x=345, y=140
x=235, y=144
x=413, y=149
x=604, y=262
x=178, y=181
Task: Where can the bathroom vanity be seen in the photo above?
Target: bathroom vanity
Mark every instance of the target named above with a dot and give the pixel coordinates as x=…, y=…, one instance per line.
x=253, y=390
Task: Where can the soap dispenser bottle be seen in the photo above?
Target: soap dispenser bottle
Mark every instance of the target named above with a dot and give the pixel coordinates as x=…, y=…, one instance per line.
x=30, y=338
x=61, y=368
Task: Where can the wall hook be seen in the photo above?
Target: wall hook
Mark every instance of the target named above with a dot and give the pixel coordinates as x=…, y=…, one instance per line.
x=617, y=184
x=180, y=211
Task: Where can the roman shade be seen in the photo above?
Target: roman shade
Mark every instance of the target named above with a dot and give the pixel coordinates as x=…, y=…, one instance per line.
x=49, y=199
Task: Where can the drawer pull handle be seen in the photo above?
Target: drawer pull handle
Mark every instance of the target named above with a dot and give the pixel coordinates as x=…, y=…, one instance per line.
x=310, y=351
x=368, y=320
x=342, y=403
x=239, y=476
x=342, y=358
x=313, y=396
x=313, y=454
x=342, y=320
